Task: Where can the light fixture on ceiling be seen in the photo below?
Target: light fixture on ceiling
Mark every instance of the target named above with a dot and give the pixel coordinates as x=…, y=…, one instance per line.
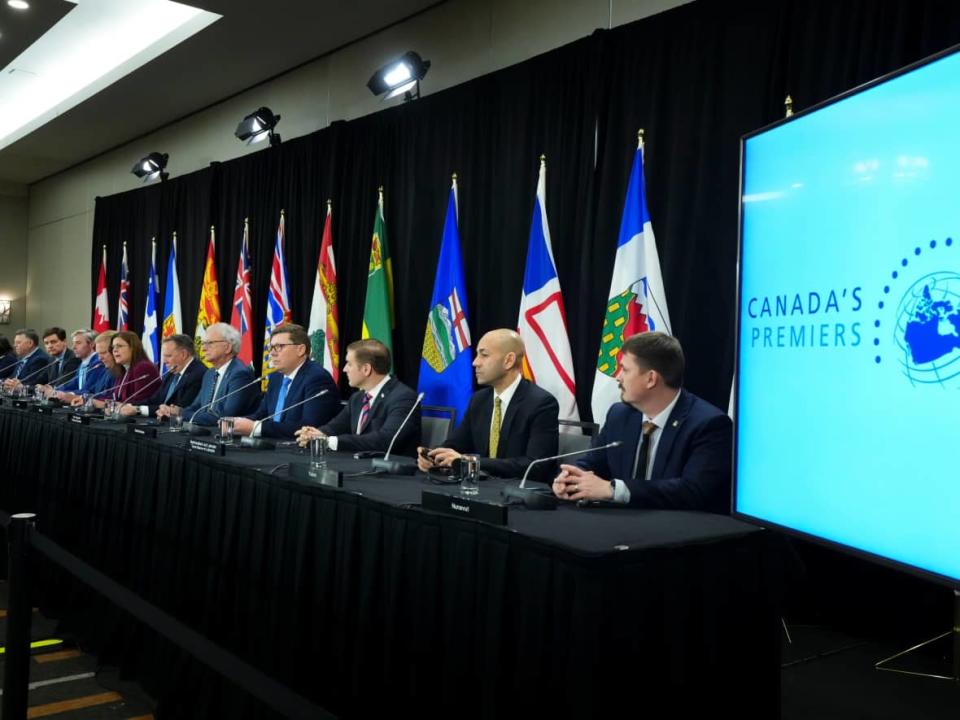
x=400, y=77
x=19, y=4
x=259, y=125
x=151, y=167
x=5, y=306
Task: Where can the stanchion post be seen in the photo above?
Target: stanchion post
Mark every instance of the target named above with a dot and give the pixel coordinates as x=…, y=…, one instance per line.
x=16, y=672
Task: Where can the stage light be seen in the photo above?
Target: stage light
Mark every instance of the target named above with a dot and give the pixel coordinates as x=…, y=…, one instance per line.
x=400, y=77
x=151, y=167
x=258, y=125
x=19, y=4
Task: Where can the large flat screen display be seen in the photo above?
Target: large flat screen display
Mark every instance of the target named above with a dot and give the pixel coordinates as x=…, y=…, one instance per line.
x=848, y=373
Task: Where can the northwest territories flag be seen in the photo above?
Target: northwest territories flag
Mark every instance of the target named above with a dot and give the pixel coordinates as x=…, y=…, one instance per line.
x=446, y=364
x=637, y=302
x=543, y=321
x=151, y=331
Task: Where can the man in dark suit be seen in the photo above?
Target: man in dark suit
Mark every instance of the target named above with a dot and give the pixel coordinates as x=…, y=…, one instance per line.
x=676, y=451
x=373, y=415
x=182, y=382
x=296, y=379
x=510, y=423
x=228, y=387
x=31, y=363
x=55, y=343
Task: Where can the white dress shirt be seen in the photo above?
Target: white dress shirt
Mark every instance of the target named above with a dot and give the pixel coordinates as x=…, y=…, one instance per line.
x=621, y=493
x=374, y=393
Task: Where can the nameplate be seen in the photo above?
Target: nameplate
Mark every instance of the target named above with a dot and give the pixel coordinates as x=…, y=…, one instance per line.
x=326, y=477
x=46, y=409
x=79, y=419
x=469, y=507
x=209, y=448
x=21, y=404
x=142, y=431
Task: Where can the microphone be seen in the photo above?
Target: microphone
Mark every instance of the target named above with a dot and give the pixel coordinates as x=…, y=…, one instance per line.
x=260, y=443
x=541, y=496
x=200, y=430
x=38, y=371
x=128, y=402
x=393, y=467
x=49, y=400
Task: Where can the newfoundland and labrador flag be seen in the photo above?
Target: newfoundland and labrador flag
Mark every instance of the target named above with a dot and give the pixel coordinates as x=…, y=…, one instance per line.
x=446, y=363
x=543, y=321
x=637, y=302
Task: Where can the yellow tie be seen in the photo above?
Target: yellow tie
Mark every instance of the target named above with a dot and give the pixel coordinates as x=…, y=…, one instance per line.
x=495, y=428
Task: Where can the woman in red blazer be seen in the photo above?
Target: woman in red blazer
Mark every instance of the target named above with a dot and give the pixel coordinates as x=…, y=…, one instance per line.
x=140, y=376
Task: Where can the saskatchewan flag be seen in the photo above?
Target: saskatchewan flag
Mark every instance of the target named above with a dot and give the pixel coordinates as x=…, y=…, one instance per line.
x=378, y=318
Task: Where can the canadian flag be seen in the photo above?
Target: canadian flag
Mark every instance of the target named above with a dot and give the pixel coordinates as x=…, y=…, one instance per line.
x=101, y=308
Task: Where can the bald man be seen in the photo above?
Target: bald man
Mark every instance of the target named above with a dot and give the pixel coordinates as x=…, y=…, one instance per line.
x=510, y=423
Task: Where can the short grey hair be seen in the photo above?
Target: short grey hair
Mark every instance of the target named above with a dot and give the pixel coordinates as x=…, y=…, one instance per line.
x=184, y=342
x=229, y=333
x=90, y=335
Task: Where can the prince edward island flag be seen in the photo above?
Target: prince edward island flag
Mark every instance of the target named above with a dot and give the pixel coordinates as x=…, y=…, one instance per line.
x=446, y=364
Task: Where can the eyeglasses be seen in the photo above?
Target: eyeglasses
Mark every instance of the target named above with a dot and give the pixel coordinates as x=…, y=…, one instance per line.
x=277, y=347
x=119, y=345
x=205, y=343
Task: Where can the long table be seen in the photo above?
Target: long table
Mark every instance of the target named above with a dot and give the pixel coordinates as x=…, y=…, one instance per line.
x=369, y=604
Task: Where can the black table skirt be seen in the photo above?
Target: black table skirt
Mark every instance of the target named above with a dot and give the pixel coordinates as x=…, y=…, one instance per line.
x=366, y=603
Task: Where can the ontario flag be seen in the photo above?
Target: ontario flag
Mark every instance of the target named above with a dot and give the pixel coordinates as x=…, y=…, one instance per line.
x=242, y=315
x=278, y=305
x=637, y=302
x=123, y=301
x=323, y=330
x=543, y=322
x=101, y=306
x=446, y=363
x=209, y=311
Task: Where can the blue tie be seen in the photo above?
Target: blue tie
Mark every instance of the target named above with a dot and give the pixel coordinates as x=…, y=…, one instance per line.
x=281, y=401
x=20, y=366
x=173, y=386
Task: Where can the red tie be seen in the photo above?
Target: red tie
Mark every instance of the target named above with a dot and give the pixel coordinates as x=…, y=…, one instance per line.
x=364, y=412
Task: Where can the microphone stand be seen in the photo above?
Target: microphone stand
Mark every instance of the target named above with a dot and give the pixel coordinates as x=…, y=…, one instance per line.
x=539, y=496
x=260, y=443
x=395, y=467
x=199, y=430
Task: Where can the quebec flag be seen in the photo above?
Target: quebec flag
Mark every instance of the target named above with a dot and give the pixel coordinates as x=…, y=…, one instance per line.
x=446, y=363
x=151, y=330
x=637, y=302
x=543, y=323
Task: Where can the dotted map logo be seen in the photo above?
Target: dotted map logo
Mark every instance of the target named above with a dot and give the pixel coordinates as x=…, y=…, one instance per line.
x=920, y=313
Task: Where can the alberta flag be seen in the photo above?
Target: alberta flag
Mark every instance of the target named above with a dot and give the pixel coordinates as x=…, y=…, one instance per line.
x=543, y=321
x=446, y=371
x=151, y=330
x=637, y=302
x=101, y=305
x=278, y=306
x=242, y=315
x=123, y=304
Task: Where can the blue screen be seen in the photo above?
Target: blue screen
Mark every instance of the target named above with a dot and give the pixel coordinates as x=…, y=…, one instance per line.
x=848, y=401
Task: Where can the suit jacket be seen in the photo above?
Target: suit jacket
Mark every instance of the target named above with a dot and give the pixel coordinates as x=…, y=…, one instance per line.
x=387, y=412
x=691, y=470
x=528, y=431
x=8, y=364
x=68, y=362
x=32, y=371
x=187, y=388
x=132, y=389
x=243, y=403
x=311, y=378
x=91, y=377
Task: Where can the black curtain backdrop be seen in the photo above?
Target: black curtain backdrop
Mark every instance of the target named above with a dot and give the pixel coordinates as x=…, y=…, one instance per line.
x=695, y=78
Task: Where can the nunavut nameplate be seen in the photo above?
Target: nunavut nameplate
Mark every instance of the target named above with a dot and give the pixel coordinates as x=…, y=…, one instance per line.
x=207, y=447
x=483, y=510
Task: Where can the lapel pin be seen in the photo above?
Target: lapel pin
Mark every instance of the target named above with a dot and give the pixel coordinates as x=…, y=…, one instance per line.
x=676, y=422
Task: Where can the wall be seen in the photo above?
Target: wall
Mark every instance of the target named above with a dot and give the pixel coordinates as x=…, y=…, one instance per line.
x=463, y=39
x=13, y=254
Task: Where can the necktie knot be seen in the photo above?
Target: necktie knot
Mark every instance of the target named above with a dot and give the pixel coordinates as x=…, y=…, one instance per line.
x=648, y=427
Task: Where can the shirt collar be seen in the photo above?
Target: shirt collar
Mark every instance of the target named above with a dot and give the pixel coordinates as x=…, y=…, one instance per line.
x=661, y=418
x=508, y=392
x=293, y=374
x=375, y=391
